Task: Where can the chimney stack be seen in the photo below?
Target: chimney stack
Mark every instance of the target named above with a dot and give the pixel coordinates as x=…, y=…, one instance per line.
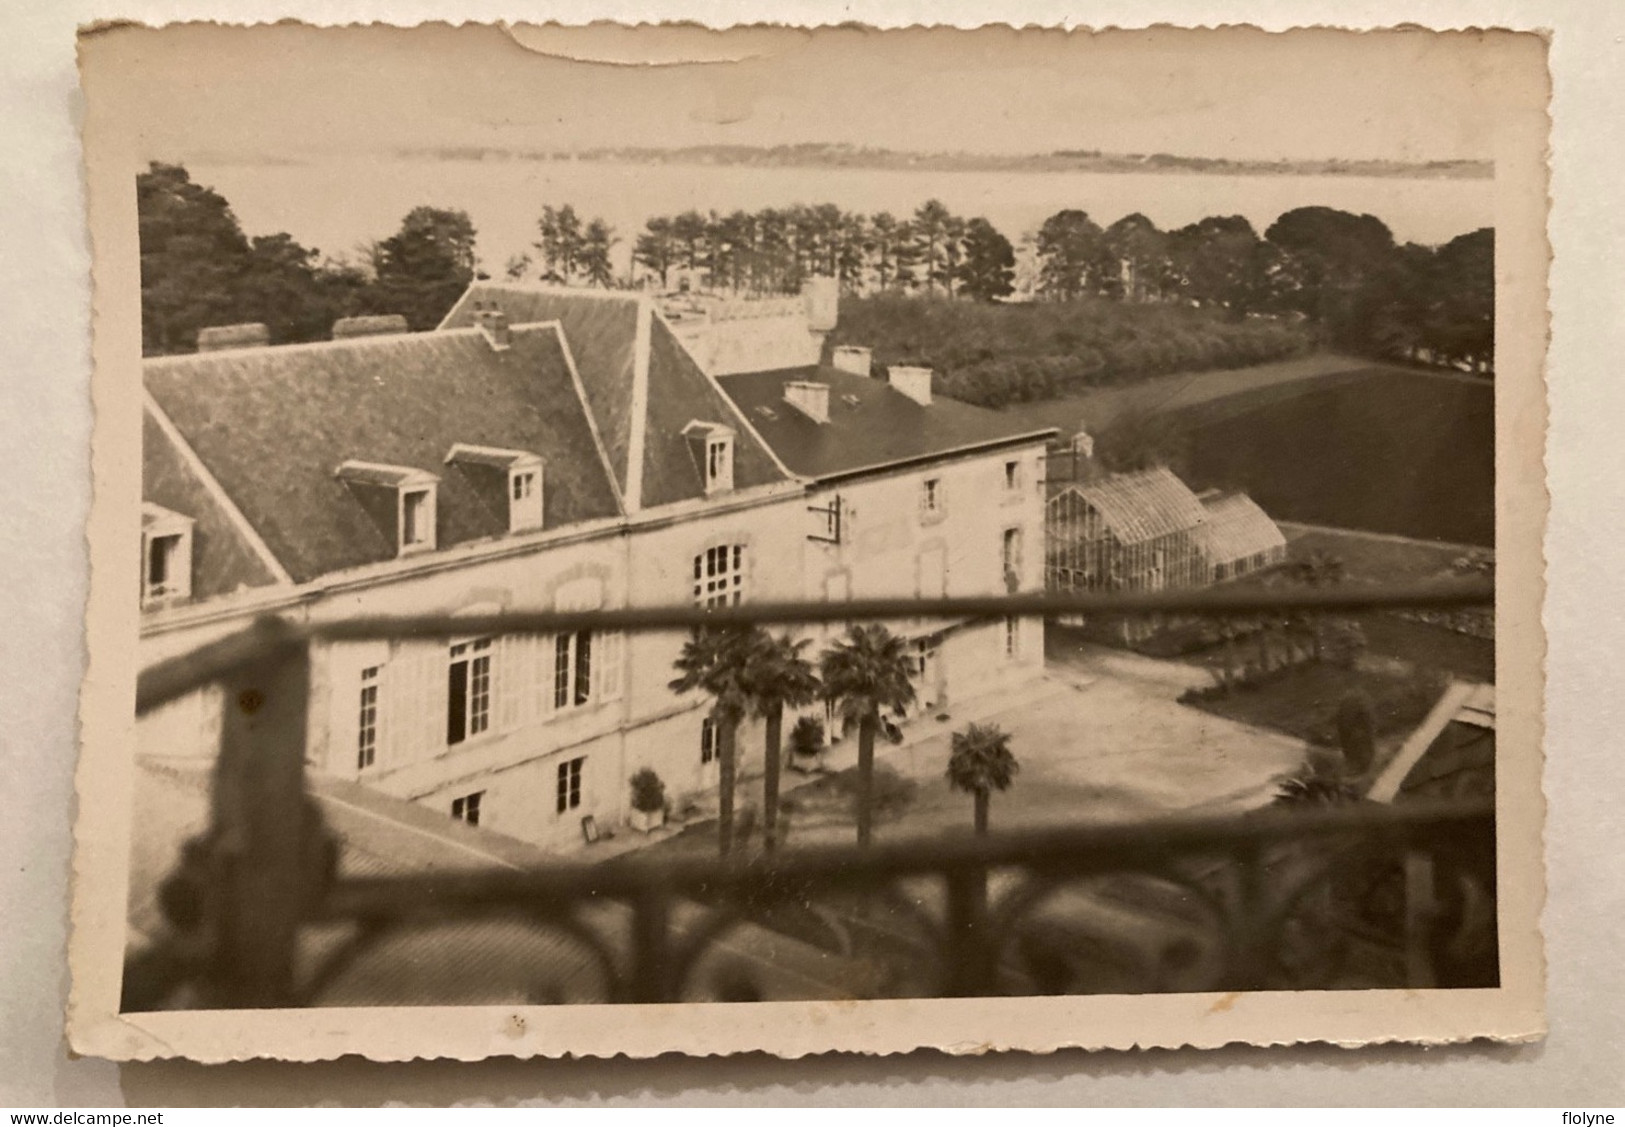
x=220, y=337
x=348, y=328
x=822, y=298
x=811, y=399
x=912, y=382
x=494, y=324
x=854, y=358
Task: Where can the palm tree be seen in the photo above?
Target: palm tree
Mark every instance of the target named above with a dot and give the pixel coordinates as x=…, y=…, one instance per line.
x=778, y=678
x=979, y=763
x=863, y=673
x=716, y=661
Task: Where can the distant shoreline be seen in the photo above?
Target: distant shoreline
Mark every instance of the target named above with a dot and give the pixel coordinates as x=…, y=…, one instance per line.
x=886, y=160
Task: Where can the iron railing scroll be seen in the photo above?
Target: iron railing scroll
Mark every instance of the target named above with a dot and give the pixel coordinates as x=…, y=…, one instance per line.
x=257, y=915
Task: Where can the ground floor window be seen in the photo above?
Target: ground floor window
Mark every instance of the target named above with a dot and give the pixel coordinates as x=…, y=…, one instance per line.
x=1012, y=636
x=367, y=732
x=467, y=808
x=569, y=796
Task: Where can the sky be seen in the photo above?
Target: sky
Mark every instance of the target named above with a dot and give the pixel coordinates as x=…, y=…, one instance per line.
x=294, y=92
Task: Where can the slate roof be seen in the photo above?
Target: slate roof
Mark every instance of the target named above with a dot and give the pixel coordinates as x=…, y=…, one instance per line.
x=871, y=425
x=1143, y=505
x=273, y=424
x=222, y=558
x=1237, y=528
x=601, y=329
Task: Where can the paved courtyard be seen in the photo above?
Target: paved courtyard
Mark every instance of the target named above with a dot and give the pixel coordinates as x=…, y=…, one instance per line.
x=1101, y=737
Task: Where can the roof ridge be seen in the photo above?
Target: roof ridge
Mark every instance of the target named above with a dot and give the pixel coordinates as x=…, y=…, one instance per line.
x=179, y=359
x=728, y=399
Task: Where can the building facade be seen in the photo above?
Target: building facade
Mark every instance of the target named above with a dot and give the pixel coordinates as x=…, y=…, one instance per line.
x=552, y=449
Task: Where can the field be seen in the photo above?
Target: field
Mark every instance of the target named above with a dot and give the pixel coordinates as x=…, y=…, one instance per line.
x=1407, y=453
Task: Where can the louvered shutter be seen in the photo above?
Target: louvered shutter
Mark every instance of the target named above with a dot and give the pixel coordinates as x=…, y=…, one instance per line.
x=415, y=703
x=514, y=680
x=608, y=664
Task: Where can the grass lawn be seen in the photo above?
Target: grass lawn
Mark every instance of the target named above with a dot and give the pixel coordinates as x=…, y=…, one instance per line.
x=1406, y=453
x=1302, y=700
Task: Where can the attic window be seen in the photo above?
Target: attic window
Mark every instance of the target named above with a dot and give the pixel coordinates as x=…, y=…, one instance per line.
x=166, y=556
x=400, y=499
x=506, y=481
x=767, y=412
x=524, y=499
x=850, y=400
x=417, y=519
x=713, y=448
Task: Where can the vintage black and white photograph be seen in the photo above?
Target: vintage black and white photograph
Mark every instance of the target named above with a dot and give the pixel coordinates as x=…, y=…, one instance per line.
x=978, y=537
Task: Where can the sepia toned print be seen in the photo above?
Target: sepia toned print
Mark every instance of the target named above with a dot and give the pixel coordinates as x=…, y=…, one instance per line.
x=650, y=558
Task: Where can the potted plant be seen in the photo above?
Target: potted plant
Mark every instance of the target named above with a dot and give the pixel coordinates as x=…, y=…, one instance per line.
x=648, y=801
x=806, y=743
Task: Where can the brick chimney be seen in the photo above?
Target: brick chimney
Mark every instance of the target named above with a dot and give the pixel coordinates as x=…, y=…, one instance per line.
x=811, y=399
x=912, y=382
x=217, y=338
x=854, y=358
x=494, y=324
x=821, y=297
x=384, y=324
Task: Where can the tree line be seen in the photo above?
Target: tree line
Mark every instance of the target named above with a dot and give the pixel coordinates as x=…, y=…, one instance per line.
x=1342, y=274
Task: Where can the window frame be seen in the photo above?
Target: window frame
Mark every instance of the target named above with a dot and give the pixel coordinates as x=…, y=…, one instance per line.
x=710, y=741
x=568, y=786
x=470, y=696
x=421, y=520
x=369, y=711
x=573, y=683
x=466, y=808
x=723, y=586
x=162, y=527
x=933, y=499
x=525, y=498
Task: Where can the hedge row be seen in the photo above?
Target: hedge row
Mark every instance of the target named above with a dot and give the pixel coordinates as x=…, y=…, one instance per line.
x=998, y=354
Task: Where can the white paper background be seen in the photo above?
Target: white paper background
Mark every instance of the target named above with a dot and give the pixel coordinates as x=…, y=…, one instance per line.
x=44, y=426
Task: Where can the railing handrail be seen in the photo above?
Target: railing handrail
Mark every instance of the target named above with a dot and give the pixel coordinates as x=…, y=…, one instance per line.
x=1077, y=850
x=173, y=677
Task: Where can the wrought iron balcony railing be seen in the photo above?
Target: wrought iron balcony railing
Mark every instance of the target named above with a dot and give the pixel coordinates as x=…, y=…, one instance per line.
x=1349, y=896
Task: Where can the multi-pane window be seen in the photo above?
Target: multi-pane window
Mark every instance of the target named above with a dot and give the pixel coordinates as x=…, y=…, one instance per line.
x=931, y=497
x=569, y=783
x=467, y=808
x=719, y=576
x=524, y=500
x=468, y=685
x=709, y=748
x=366, y=752
x=572, y=669
x=719, y=472
x=1012, y=636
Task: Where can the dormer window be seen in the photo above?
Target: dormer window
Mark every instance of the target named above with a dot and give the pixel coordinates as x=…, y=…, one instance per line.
x=509, y=481
x=713, y=448
x=400, y=498
x=166, y=556
x=417, y=519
